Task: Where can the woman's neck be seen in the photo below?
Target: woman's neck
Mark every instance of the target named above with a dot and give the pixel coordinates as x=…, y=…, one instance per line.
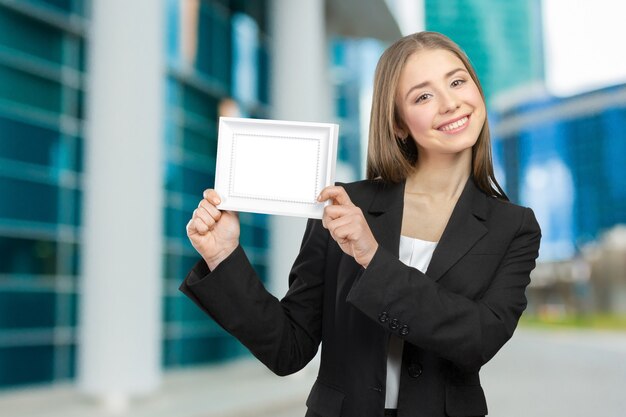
x=443, y=176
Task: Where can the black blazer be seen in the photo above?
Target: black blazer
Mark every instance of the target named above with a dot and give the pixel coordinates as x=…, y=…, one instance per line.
x=453, y=319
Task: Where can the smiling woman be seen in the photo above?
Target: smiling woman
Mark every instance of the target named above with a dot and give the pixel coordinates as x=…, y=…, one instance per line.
x=403, y=74
x=436, y=112
x=413, y=279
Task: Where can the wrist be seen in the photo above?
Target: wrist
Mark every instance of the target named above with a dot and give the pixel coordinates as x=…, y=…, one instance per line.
x=214, y=261
x=368, y=259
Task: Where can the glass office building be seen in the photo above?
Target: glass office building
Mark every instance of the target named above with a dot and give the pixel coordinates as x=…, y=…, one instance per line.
x=198, y=32
x=353, y=62
x=42, y=74
x=43, y=50
x=565, y=158
x=503, y=39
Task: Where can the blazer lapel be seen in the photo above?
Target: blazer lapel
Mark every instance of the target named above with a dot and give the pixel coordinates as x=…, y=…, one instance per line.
x=464, y=229
x=385, y=215
x=465, y=226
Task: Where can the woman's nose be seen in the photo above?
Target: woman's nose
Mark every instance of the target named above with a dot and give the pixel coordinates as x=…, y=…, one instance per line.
x=449, y=102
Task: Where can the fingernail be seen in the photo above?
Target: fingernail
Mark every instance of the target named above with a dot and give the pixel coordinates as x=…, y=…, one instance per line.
x=216, y=201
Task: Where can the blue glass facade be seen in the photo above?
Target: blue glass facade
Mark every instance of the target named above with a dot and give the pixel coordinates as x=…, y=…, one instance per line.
x=566, y=158
x=216, y=50
x=353, y=62
x=42, y=48
x=503, y=39
x=42, y=92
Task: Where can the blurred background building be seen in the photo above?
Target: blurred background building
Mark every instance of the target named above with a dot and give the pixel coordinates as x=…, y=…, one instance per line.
x=108, y=116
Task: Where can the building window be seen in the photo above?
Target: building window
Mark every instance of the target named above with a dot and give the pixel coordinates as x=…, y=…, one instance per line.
x=216, y=55
x=42, y=46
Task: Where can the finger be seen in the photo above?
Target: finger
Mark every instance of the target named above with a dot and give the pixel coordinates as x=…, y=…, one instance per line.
x=209, y=209
x=343, y=233
x=204, y=216
x=335, y=193
x=334, y=212
x=211, y=196
x=196, y=226
x=331, y=213
x=190, y=228
x=201, y=227
x=342, y=222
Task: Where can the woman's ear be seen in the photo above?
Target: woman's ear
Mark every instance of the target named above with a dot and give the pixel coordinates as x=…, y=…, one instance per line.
x=399, y=130
x=400, y=133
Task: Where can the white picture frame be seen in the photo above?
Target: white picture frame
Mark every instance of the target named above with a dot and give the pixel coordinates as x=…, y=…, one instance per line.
x=274, y=166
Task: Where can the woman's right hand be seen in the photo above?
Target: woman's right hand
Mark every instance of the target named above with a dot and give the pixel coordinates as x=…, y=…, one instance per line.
x=213, y=233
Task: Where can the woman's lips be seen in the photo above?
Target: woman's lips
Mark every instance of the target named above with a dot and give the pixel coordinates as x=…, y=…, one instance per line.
x=454, y=126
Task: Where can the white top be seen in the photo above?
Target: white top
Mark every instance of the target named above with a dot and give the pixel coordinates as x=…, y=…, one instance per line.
x=416, y=253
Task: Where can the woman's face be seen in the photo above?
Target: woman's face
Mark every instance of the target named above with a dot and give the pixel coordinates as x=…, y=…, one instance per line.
x=439, y=103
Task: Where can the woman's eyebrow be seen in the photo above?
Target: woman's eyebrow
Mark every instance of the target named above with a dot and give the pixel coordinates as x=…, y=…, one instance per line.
x=425, y=83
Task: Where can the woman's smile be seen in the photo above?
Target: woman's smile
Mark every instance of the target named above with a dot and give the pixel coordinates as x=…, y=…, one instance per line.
x=455, y=126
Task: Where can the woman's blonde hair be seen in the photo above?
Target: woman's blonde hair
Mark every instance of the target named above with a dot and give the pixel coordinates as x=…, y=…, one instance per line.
x=391, y=158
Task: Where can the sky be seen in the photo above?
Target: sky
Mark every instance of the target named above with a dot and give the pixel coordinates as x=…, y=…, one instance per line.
x=584, y=44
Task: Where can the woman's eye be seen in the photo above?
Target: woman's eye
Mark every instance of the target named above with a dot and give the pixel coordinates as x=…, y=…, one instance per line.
x=422, y=98
x=457, y=83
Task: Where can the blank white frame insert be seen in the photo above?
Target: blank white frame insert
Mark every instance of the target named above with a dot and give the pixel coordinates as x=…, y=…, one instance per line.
x=274, y=166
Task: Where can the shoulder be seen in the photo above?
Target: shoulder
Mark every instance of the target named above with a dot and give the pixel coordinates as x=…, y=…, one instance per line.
x=514, y=215
x=504, y=206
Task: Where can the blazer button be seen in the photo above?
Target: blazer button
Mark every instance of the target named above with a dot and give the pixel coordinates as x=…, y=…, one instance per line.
x=404, y=330
x=415, y=370
x=383, y=317
x=394, y=324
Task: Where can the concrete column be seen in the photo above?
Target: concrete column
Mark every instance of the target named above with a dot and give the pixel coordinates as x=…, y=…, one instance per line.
x=120, y=304
x=300, y=83
x=300, y=90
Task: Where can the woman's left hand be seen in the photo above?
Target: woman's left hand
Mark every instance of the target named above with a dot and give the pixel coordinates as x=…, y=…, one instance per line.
x=347, y=225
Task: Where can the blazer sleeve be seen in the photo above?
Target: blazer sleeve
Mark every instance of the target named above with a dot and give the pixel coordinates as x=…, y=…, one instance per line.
x=284, y=335
x=464, y=331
